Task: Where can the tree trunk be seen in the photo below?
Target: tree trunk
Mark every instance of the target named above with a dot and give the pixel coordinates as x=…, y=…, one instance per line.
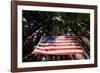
x=85, y=41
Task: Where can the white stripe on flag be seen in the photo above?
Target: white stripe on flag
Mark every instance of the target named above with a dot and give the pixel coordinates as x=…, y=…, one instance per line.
x=58, y=44
x=64, y=41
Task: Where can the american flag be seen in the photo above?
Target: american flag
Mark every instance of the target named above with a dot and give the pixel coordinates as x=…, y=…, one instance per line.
x=58, y=45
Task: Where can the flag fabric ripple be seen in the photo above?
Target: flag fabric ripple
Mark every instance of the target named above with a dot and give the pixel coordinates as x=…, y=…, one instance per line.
x=58, y=45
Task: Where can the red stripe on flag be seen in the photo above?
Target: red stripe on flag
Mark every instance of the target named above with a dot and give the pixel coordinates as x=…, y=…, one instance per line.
x=66, y=36
x=68, y=53
x=59, y=49
x=58, y=44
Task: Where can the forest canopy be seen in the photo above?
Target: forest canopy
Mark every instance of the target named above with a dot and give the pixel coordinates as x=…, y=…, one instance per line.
x=55, y=23
x=39, y=23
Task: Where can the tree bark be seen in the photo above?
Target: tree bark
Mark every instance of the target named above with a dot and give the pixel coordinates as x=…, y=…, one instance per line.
x=85, y=41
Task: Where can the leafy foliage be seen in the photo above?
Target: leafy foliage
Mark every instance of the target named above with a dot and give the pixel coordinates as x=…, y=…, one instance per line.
x=38, y=23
